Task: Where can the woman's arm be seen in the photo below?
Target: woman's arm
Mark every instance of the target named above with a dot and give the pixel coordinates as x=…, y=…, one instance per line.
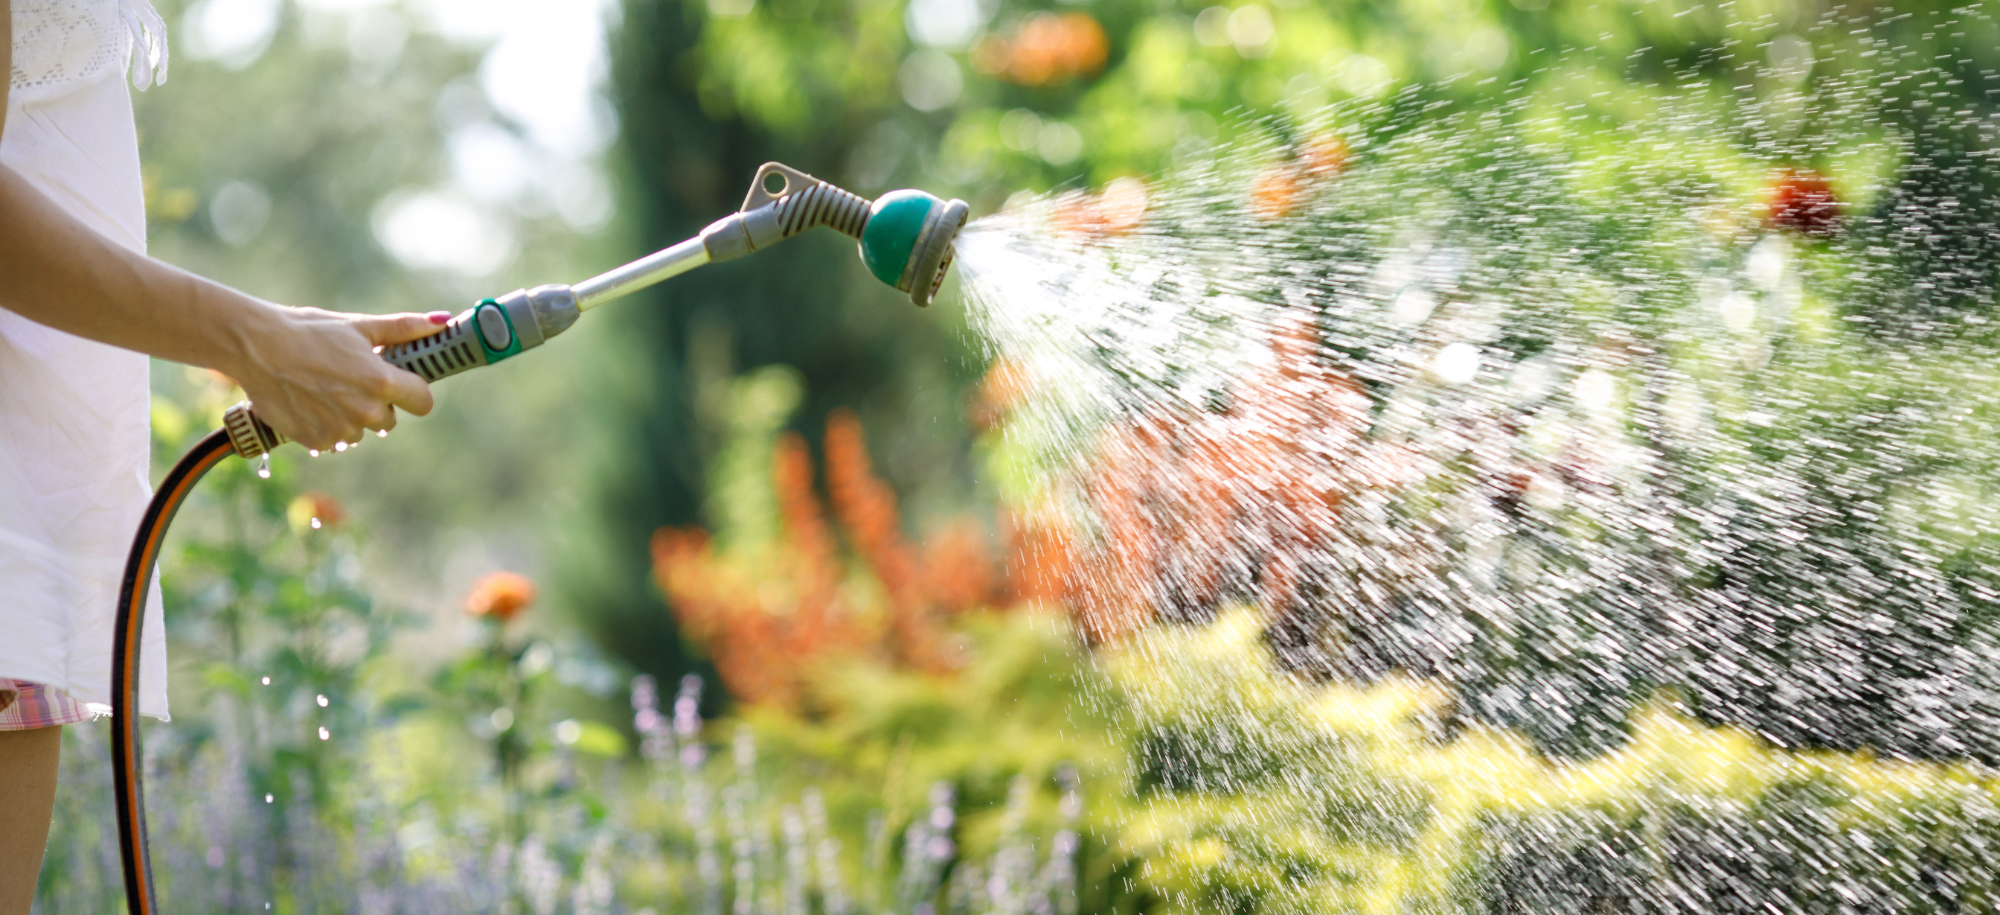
x=313, y=374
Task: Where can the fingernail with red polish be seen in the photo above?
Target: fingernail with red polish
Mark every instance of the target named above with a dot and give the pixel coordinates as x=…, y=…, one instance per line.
x=439, y=317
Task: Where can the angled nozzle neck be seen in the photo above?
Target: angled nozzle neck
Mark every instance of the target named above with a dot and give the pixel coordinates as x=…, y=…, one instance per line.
x=783, y=202
x=905, y=236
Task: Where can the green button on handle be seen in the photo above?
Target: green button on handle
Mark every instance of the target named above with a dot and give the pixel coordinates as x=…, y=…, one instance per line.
x=493, y=329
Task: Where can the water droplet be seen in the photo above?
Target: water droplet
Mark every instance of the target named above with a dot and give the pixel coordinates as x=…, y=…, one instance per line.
x=1739, y=312
x=381, y=433
x=312, y=452
x=264, y=466
x=325, y=734
x=267, y=681
x=340, y=446
x=1412, y=306
x=315, y=524
x=267, y=799
x=1457, y=363
x=322, y=701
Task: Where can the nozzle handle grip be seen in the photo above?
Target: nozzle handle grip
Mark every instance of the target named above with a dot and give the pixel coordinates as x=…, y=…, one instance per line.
x=457, y=347
x=448, y=352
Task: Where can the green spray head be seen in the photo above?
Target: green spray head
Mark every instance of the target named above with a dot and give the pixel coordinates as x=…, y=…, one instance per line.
x=905, y=236
x=907, y=241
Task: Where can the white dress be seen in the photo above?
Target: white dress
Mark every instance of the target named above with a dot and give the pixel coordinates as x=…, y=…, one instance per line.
x=74, y=415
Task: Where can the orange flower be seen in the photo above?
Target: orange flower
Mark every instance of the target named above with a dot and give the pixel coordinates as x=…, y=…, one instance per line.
x=1117, y=210
x=1075, y=213
x=500, y=596
x=1276, y=191
x=866, y=507
x=1323, y=156
x=766, y=626
x=957, y=575
x=1189, y=510
x=1123, y=203
x=1048, y=48
x=815, y=568
x=1004, y=387
x=990, y=54
x=314, y=511
x=1279, y=188
x=1041, y=563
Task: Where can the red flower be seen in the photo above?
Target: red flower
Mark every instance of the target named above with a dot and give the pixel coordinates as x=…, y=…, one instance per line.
x=1803, y=201
x=500, y=596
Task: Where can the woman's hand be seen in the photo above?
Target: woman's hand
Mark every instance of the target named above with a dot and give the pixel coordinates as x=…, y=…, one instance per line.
x=315, y=377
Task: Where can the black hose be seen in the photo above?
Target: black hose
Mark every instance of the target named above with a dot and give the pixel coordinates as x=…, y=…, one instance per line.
x=126, y=760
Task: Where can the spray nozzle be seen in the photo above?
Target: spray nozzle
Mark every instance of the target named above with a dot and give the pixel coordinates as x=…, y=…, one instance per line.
x=905, y=235
x=907, y=241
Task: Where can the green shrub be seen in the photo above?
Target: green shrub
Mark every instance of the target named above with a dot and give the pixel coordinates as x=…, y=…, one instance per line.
x=1383, y=804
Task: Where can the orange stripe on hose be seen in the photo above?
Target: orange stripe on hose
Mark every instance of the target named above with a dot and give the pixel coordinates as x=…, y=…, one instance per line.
x=128, y=721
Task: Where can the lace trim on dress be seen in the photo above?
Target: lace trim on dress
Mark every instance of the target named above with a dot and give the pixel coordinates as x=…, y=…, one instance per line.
x=63, y=43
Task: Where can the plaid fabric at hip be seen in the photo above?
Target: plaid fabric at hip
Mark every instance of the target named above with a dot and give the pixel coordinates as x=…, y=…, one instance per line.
x=38, y=706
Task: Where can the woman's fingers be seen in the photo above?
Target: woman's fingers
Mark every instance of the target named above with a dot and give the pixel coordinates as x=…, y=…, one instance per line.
x=362, y=417
x=346, y=437
x=312, y=438
x=387, y=330
x=405, y=389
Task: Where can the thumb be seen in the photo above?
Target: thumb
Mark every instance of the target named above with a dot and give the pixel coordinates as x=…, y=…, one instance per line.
x=387, y=330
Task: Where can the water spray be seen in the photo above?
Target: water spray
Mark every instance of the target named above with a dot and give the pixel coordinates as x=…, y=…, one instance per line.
x=905, y=240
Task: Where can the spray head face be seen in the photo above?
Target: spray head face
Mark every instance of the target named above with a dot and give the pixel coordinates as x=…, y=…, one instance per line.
x=907, y=240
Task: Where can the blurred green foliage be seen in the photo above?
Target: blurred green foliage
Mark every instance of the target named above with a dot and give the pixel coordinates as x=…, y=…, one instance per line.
x=1020, y=708
x=842, y=81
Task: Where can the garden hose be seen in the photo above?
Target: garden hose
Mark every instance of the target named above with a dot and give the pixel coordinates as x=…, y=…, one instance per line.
x=905, y=239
